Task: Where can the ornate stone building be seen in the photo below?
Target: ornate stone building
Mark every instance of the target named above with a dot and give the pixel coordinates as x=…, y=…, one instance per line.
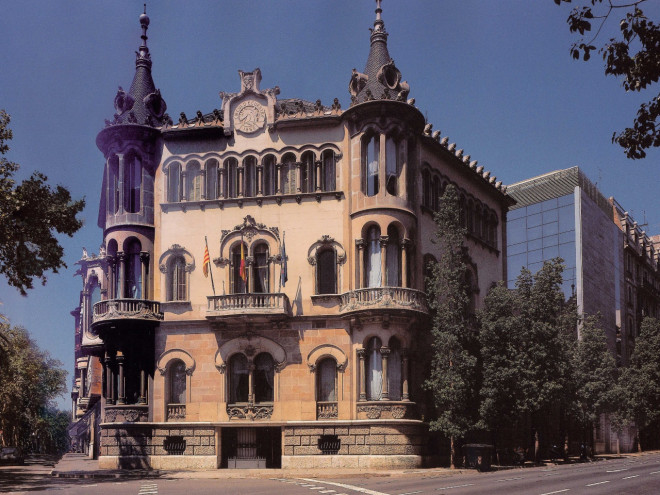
x=298, y=342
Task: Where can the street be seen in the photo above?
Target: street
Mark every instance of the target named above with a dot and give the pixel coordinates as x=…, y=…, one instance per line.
x=639, y=475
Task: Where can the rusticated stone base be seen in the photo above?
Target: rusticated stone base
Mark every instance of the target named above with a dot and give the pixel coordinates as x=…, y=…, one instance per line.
x=352, y=461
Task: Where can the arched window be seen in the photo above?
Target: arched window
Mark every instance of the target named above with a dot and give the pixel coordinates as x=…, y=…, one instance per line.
x=261, y=271
x=328, y=171
x=372, y=261
x=238, y=268
x=133, y=273
x=374, y=367
x=326, y=271
x=113, y=272
x=264, y=377
x=132, y=182
x=288, y=174
x=176, y=274
x=391, y=166
x=194, y=174
x=250, y=171
x=238, y=379
x=269, y=176
x=307, y=172
x=326, y=380
x=212, y=176
x=113, y=193
x=174, y=183
x=231, y=165
x=394, y=363
x=371, y=155
x=426, y=188
x=393, y=257
x=94, y=297
x=177, y=379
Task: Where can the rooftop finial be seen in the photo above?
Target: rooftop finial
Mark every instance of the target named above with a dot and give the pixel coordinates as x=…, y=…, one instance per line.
x=144, y=21
x=379, y=10
x=143, y=56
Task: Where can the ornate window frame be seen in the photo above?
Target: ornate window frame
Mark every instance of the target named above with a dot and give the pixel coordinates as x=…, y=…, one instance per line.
x=326, y=242
x=164, y=267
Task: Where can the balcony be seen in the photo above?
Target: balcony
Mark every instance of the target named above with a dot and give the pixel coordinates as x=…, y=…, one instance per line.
x=129, y=413
x=386, y=410
x=383, y=298
x=228, y=307
x=113, y=310
x=326, y=410
x=176, y=412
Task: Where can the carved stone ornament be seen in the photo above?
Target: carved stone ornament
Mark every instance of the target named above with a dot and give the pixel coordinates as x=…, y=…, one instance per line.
x=123, y=101
x=249, y=117
x=249, y=411
x=155, y=104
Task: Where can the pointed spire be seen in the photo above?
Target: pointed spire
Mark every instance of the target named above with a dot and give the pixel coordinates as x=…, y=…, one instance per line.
x=143, y=57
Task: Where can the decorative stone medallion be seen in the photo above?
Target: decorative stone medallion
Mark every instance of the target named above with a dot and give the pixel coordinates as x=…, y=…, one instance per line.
x=249, y=117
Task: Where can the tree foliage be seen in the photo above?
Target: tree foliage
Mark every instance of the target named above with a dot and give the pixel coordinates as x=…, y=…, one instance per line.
x=29, y=380
x=639, y=390
x=633, y=54
x=30, y=214
x=453, y=374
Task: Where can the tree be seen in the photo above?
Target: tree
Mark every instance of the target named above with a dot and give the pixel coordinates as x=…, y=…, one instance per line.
x=639, y=390
x=633, y=54
x=29, y=380
x=595, y=375
x=30, y=214
x=526, y=337
x=453, y=375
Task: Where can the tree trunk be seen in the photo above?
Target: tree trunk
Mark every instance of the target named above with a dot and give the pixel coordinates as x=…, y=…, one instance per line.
x=452, y=453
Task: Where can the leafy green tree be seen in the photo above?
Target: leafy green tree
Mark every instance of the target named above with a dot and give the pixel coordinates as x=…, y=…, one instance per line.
x=453, y=378
x=639, y=390
x=633, y=54
x=29, y=380
x=526, y=337
x=30, y=214
x=595, y=374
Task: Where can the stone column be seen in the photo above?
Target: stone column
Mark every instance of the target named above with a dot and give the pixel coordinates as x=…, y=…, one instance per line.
x=222, y=179
x=405, y=394
x=249, y=262
x=120, y=183
x=86, y=308
x=121, y=256
x=299, y=176
x=260, y=180
x=239, y=179
x=111, y=276
x=251, y=369
x=108, y=379
x=271, y=274
x=317, y=175
x=278, y=178
x=382, y=157
x=184, y=186
x=361, y=353
x=144, y=262
x=121, y=385
x=403, y=173
x=359, y=245
x=383, y=260
x=385, y=391
x=143, y=385
x=405, y=244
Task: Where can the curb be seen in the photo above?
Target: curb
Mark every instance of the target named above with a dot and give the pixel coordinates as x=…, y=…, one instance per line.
x=104, y=474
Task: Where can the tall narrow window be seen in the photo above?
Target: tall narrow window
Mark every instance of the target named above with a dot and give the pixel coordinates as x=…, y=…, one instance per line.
x=238, y=379
x=326, y=271
x=177, y=377
x=394, y=370
x=261, y=272
x=212, y=175
x=232, y=177
x=326, y=380
x=374, y=368
x=250, y=171
x=238, y=275
x=307, y=173
x=174, y=183
x=176, y=290
x=133, y=272
x=328, y=171
x=264, y=377
x=289, y=174
x=194, y=175
x=269, y=175
x=391, y=166
x=372, y=262
x=393, y=257
x=132, y=182
x=113, y=193
x=372, y=153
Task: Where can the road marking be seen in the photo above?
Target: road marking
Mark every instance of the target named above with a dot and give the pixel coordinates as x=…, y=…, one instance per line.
x=616, y=470
x=342, y=485
x=411, y=493
x=558, y=491
x=453, y=486
x=599, y=483
x=328, y=491
x=655, y=472
x=628, y=477
x=512, y=479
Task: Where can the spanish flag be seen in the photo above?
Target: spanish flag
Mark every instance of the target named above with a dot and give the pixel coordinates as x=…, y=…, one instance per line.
x=207, y=262
x=241, y=271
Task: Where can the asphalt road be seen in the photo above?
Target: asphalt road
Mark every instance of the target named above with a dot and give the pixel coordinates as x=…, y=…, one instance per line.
x=638, y=475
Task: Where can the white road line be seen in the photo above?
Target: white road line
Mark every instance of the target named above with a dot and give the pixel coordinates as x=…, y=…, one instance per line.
x=411, y=493
x=316, y=488
x=454, y=486
x=558, y=491
x=349, y=487
x=628, y=477
x=655, y=472
x=599, y=483
x=616, y=470
x=512, y=479
x=328, y=491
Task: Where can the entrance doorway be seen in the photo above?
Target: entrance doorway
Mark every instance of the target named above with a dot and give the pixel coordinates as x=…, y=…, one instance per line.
x=251, y=448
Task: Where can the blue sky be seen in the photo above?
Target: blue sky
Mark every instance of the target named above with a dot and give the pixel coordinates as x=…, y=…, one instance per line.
x=496, y=77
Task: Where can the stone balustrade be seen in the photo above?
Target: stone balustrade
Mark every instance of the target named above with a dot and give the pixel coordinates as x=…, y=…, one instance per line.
x=176, y=412
x=327, y=410
x=126, y=309
x=132, y=413
x=266, y=304
x=383, y=298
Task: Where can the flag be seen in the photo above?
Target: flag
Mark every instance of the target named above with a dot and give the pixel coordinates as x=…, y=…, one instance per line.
x=283, y=272
x=207, y=262
x=241, y=271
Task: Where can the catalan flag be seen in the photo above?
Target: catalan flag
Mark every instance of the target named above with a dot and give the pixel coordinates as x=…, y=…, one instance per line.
x=242, y=273
x=207, y=262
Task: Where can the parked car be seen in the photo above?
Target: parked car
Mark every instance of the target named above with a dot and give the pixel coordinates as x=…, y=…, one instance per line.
x=11, y=455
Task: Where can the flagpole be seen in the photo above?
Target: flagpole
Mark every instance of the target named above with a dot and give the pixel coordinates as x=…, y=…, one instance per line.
x=210, y=271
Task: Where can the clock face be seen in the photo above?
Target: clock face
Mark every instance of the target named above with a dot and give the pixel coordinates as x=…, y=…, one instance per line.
x=249, y=117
